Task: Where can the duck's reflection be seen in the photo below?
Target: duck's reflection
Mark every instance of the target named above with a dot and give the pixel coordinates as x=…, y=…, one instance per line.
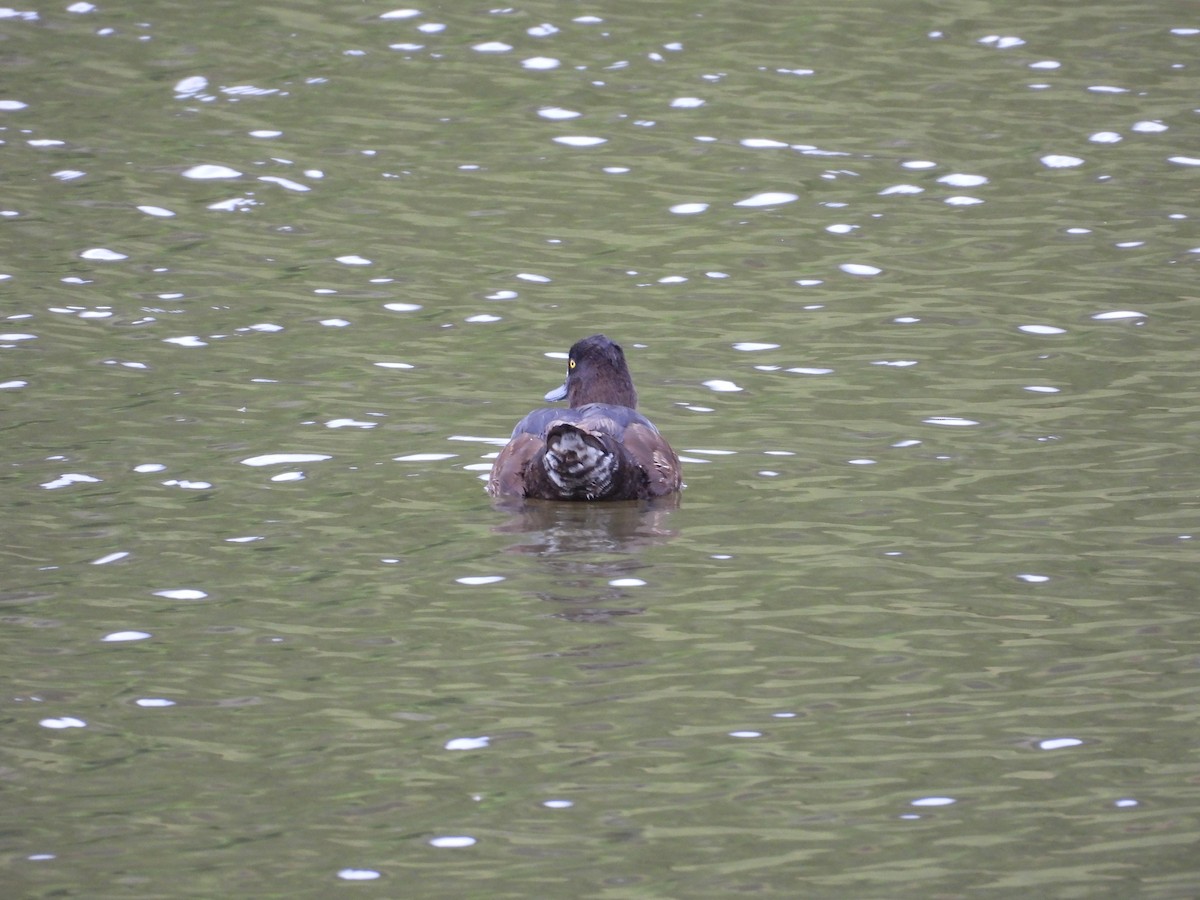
x=589, y=549
x=557, y=527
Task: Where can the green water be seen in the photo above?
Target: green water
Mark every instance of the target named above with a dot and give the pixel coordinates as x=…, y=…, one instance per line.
x=923, y=621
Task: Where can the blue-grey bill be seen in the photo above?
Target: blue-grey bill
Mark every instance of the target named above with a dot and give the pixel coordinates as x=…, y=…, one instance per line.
x=559, y=393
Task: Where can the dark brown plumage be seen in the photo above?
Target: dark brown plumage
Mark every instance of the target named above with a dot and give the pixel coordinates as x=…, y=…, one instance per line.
x=600, y=448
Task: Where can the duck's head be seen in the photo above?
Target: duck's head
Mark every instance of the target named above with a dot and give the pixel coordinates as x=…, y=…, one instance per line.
x=596, y=373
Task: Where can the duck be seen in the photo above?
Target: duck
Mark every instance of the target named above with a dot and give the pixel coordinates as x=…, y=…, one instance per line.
x=598, y=448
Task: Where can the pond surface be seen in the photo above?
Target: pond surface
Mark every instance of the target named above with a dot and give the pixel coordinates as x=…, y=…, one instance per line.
x=912, y=288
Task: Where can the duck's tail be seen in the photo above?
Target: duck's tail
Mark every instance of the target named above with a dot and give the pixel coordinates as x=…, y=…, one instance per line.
x=579, y=462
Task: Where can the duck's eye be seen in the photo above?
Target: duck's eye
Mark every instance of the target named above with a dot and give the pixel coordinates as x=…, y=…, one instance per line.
x=571, y=364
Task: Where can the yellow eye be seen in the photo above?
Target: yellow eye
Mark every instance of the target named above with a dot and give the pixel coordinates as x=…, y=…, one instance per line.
x=571, y=364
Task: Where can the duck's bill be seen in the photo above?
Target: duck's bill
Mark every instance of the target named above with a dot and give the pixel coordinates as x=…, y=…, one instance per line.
x=559, y=393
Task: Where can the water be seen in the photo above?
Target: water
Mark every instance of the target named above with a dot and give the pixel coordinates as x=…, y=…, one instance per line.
x=911, y=290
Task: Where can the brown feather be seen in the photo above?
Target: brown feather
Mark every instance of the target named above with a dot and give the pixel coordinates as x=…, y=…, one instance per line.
x=508, y=471
x=655, y=457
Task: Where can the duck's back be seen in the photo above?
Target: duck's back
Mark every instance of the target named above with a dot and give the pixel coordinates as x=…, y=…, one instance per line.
x=595, y=451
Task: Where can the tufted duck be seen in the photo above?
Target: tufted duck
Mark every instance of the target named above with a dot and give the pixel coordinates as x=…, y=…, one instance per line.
x=599, y=449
